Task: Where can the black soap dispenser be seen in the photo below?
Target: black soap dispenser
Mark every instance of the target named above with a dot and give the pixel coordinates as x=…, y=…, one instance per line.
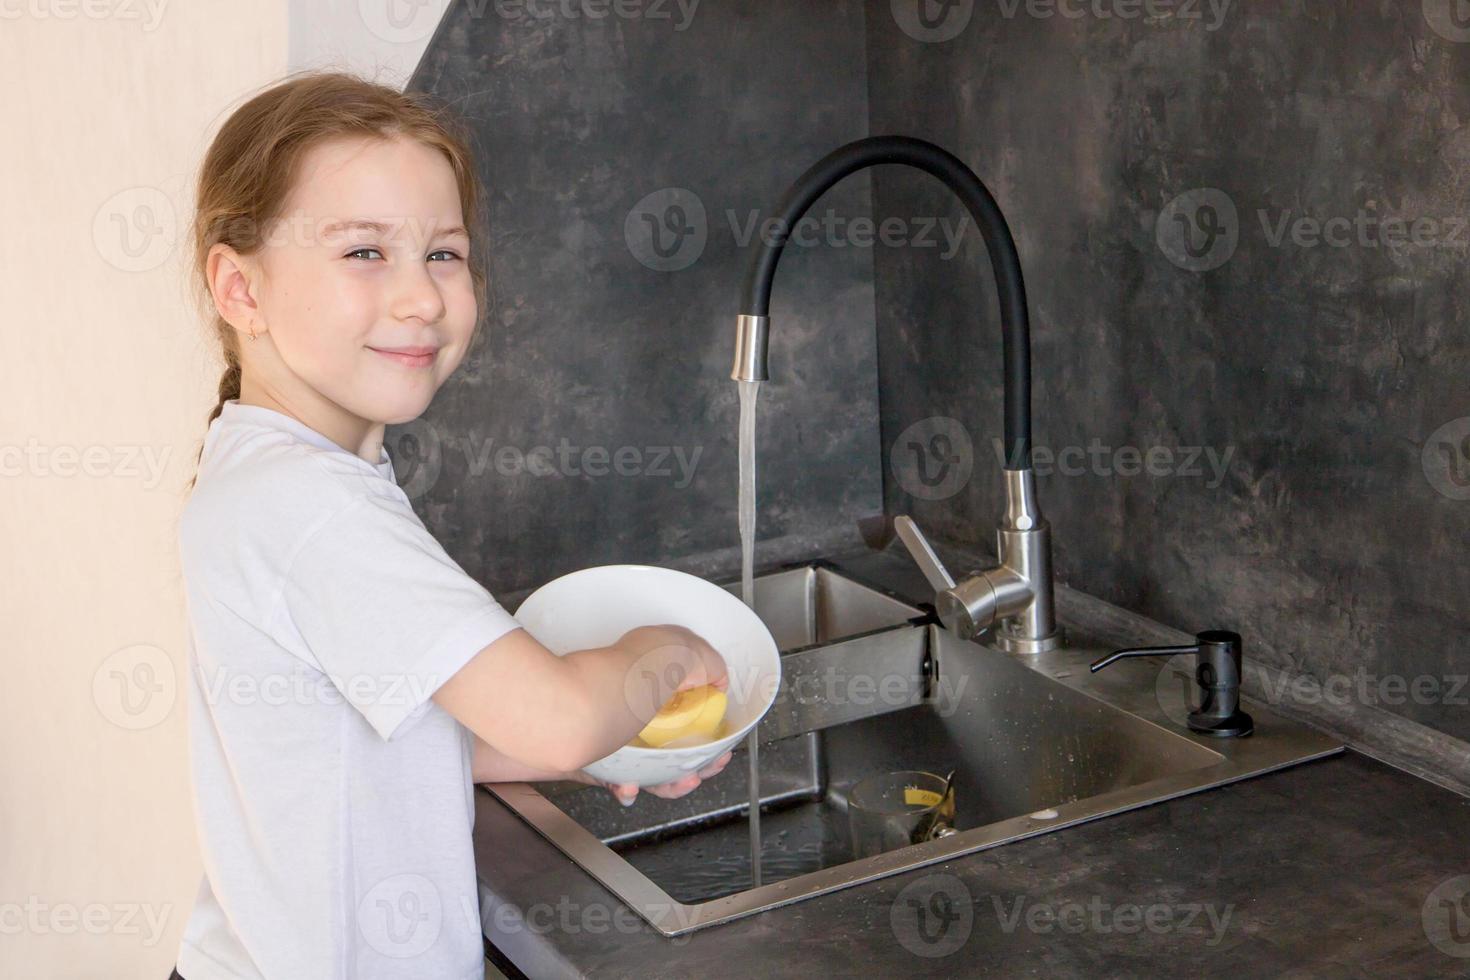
x=1217, y=673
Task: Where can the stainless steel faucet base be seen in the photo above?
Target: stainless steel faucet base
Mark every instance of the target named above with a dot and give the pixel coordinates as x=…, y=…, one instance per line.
x=1016, y=595
x=1015, y=643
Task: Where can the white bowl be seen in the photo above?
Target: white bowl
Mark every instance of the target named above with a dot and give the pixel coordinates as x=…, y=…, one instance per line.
x=593, y=607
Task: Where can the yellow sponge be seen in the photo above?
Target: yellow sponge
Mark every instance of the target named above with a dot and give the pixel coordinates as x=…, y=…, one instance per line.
x=695, y=711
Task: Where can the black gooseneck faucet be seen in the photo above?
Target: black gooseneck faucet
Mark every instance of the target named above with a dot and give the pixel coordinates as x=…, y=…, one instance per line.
x=1017, y=593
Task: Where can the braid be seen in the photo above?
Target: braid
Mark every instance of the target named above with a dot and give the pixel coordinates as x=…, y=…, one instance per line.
x=229, y=387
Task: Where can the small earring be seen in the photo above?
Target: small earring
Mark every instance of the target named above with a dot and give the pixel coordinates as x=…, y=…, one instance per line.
x=252, y=333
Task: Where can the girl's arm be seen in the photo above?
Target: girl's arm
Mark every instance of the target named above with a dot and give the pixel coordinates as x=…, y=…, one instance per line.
x=558, y=714
x=490, y=766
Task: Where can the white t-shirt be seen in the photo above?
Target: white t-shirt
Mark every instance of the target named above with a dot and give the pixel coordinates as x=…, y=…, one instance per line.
x=334, y=799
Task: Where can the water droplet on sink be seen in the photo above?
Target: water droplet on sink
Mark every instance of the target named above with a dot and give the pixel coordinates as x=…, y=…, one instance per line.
x=1047, y=814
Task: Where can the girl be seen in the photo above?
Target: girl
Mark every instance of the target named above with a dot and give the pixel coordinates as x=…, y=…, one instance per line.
x=348, y=681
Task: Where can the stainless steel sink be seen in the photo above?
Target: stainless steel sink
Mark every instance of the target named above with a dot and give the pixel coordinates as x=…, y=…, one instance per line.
x=872, y=684
x=814, y=604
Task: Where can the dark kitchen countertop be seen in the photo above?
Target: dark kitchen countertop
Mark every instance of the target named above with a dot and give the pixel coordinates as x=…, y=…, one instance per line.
x=1324, y=869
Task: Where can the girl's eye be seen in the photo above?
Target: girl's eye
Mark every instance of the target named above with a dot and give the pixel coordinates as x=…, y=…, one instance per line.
x=452, y=256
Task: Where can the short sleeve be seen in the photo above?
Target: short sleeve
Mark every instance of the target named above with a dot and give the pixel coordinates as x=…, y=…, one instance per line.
x=386, y=613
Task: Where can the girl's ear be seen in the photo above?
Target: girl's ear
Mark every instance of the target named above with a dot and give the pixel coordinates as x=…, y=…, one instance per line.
x=232, y=279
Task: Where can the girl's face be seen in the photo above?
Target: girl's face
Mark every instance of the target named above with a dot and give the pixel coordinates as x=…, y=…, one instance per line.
x=362, y=291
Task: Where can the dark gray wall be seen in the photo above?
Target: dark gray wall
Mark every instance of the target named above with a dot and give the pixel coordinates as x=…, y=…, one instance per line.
x=577, y=121
x=1332, y=543
x=1303, y=398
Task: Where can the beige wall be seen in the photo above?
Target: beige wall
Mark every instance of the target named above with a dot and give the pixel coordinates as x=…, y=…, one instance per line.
x=106, y=376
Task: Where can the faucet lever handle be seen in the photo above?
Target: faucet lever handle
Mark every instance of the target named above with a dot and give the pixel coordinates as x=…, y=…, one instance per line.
x=923, y=554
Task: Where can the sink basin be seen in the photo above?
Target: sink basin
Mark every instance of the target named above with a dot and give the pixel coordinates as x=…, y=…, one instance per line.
x=814, y=604
x=872, y=684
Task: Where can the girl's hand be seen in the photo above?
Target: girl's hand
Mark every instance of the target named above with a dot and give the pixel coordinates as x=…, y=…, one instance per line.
x=626, y=793
x=707, y=666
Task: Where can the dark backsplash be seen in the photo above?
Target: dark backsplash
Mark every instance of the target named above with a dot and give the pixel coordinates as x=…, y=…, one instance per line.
x=604, y=335
x=1233, y=392
x=1304, y=373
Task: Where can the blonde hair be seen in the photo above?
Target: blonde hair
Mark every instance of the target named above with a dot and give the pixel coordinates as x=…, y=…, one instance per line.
x=252, y=164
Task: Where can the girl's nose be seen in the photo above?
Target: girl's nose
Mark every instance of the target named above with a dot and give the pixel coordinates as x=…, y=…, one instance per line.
x=417, y=295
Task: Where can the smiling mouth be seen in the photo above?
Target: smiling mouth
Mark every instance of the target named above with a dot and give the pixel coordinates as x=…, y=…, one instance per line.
x=409, y=356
